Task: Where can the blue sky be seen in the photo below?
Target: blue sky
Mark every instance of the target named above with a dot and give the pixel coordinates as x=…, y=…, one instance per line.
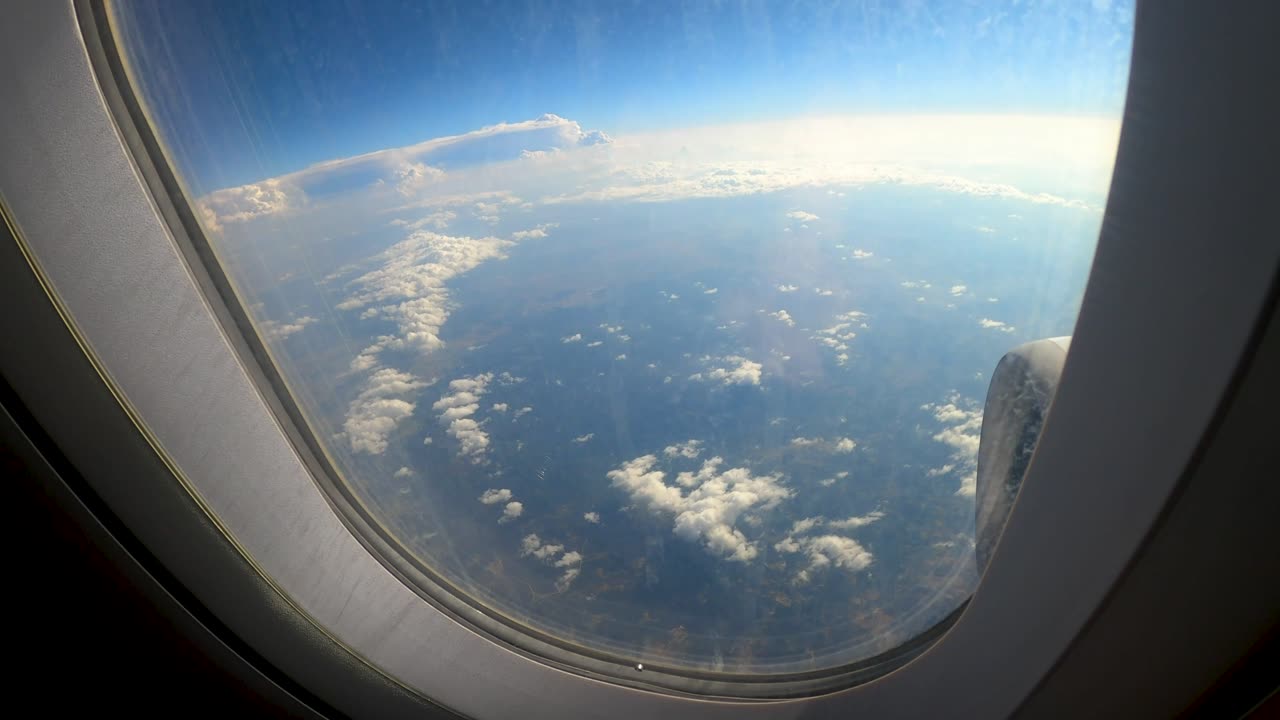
x=249, y=90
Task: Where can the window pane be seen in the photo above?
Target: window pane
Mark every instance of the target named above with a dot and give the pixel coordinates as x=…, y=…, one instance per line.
x=661, y=329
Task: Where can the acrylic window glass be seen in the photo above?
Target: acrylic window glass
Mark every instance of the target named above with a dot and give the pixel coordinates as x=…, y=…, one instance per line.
x=661, y=328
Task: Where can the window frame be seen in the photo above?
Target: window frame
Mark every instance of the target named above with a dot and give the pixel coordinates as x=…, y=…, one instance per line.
x=107, y=265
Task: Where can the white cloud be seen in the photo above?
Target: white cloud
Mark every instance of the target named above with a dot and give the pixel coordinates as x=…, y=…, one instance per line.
x=500, y=407
x=532, y=546
x=513, y=510
x=828, y=482
x=552, y=159
x=711, y=291
x=250, y=202
x=622, y=356
x=784, y=317
x=958, y=290
x=535, y=234
x=688, y=449
x=403, y=472
x=584, y=438
x=576, y=337
x=592, y=517
x=802, y=216
x=996, y=325
x=709, y=512
x=855, y=522
x=823, y=551
x=412, y=282
x=595, y=343
x=439, y=220
x=738, y=371
x=842, y=445
x=428, y=440
x=962, y=432
x=803, y=526
x=522, y=411
x=831, y=550
x=494, y=496
x=788, y=288
x=413, y=177
x=457, y=406
x=862, y=254
x=279, y=331
x=378, y=408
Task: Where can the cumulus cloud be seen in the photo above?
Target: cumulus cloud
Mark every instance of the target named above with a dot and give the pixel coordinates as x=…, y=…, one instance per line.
x=403, y=472
x=378, y=408
x=500, y=407
x=584, y=438
x=962, y=432
x=958, y=290
x=279, y=331
x=571, y=561
x=410, y=287
x=856, y=521
x=512, y=511
x=494, y=496
x=837, y=336
x=457, y=408
x=250, y=202
x=788, y=288
x=687, y=449
x=737, y=371
x=438, y=220
x=802, y=216
x=522, y=411
x=990, y=324
x=705, y=506
x=784, y=317
x=536, y=233
x=861, y=254
x=576, y=337
x=711, y=291
x=842, y=445
x=828, y=482
x=592, y=517
x=414, y=176
x=827, y=550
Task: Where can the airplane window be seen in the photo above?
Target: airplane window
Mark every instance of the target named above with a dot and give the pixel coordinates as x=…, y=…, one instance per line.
x=658, y=331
